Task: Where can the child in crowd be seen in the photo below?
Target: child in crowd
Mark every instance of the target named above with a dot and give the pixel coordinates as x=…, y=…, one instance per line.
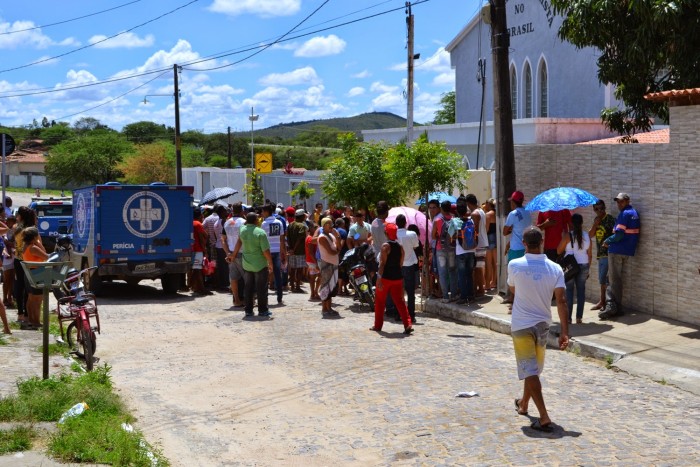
x=312, y=263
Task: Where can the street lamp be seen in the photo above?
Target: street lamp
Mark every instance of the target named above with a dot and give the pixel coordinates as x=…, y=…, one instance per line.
x=252, y=118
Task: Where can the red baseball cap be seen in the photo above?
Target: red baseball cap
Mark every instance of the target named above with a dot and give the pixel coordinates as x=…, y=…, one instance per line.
x=517, y=196
x=290, y=210
x=391, y=229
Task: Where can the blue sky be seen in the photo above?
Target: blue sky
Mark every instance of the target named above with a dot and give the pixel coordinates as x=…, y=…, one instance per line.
x=339, y=72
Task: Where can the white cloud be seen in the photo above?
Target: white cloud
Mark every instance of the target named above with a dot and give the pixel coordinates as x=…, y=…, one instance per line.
x=444, y=79
x=23, y=35
x=439, y=62
x=306, y=75
x=264, y=8
x=321, y=47
x=127, y=40
x=378, y=86
x=277, y=104
x=181, y=53
x=356, y=91
x=362, y=74
x=388, y=102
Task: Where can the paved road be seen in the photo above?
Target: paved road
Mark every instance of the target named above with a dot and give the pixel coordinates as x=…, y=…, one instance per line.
x=214, y=389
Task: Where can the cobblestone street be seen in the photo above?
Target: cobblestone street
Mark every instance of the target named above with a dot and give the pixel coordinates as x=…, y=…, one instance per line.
x=214, y=389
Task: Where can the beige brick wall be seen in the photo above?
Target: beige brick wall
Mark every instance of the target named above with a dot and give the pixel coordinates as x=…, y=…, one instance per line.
x=663, y=181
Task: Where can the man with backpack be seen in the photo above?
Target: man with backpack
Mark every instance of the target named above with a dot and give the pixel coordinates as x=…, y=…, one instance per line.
x=466, y=254
x=444, y=236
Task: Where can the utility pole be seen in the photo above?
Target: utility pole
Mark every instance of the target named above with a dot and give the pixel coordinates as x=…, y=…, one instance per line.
x=178, y=147
x=502, y=108
x=229, y=147
x=411, y=57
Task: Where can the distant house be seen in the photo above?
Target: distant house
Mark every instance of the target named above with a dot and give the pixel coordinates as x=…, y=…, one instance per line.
x=25, y=167
x=555, y=92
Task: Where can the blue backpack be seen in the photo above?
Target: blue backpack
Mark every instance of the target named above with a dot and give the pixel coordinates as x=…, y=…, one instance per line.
x=468, y=235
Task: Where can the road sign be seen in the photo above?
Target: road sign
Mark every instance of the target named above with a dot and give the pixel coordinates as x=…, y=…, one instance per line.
x=263, y=162
x=9, y=143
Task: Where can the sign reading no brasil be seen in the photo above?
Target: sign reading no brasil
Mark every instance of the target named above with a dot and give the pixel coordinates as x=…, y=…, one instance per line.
x=9, y=143
x=145, y=214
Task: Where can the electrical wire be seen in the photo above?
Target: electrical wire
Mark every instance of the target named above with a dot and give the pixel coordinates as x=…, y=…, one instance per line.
x=111, y=100
x=98, y=42
x=294, y=37
x=69, y=20
x=267, y=46
x=160, y=70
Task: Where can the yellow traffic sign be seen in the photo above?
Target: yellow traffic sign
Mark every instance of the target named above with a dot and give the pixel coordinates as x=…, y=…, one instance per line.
x=263, y=162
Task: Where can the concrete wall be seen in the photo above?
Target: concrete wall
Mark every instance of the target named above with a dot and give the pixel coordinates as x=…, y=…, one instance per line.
x=663, y=181
x=205, y=179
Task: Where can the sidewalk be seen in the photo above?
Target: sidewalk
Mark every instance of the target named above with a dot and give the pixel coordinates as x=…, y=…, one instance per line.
x=661, y=349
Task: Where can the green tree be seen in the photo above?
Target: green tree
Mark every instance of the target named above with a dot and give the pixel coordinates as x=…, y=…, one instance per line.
x=56, y=134
x=254, y=190
x=446, y=114
x=146, y=132
x=646, y=46
x=359, y=178
x=302, y=192
x=320, y=136
x=425, y=167
x=89, y=159
x=148, y=164
x=86, y=124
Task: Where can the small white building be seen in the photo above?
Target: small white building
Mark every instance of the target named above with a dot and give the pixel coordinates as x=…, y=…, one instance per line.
x=205, y=179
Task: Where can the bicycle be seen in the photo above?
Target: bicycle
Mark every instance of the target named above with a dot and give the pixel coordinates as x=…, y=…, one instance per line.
x=78, y=307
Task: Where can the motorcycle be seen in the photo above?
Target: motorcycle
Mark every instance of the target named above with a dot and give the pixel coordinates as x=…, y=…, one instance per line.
x=359, y=262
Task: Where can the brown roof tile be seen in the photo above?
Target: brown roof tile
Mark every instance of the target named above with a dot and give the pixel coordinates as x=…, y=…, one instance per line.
x=651, y=137
x=680, y=96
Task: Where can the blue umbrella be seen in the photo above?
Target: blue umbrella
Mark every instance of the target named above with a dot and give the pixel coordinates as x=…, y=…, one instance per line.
x=557, y=199
x=438, y=195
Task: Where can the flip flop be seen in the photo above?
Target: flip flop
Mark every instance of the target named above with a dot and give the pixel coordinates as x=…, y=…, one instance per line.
x=546, y=428
x=517, y=407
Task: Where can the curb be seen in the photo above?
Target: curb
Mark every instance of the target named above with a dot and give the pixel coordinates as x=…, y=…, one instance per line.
x=683, y=378
x=484, y=320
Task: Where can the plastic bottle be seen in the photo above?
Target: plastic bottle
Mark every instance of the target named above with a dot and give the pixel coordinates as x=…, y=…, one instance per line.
x=74, y=411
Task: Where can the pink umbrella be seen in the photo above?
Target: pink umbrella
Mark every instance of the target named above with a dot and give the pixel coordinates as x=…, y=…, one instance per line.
x=413, y=216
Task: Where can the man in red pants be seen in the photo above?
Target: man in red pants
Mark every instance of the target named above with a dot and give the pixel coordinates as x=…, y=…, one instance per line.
x=390, y=281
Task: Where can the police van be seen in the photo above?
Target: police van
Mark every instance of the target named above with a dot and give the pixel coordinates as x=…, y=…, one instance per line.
x=54, y=218
x=133, y=232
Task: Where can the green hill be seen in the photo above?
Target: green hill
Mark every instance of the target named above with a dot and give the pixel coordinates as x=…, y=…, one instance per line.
x=367, y=121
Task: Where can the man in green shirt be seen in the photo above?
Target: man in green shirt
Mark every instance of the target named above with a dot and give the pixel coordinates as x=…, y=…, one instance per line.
x=603, y=227
x=257, y=264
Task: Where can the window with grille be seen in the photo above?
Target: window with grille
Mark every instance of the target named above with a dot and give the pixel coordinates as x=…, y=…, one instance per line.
x=544, y=97
x=514, y=92
x=528, y=91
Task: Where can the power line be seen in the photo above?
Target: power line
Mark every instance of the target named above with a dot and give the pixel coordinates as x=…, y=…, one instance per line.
x=97, y=42
x=68, y=20
x=114, y=99
x=296, y=37
x=213, y=57
x=267, y=46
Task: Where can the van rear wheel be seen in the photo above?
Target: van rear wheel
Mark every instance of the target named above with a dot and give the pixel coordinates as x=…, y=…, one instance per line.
x=171, y=283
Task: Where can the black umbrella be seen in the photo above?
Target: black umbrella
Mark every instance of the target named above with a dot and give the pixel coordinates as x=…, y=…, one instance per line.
x=216, y=194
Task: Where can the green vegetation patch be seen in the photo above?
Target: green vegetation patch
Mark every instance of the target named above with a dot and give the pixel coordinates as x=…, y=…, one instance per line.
x=17, y=439
x=97, y=435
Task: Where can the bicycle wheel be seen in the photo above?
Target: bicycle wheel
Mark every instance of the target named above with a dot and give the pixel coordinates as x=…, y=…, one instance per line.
x=74, y=343
x=88, y=338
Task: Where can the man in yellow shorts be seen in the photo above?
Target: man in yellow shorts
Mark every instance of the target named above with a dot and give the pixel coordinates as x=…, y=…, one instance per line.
x=532, y=279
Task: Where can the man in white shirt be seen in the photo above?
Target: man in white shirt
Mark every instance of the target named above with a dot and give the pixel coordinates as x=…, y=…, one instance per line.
x=229, y=237
x=479, y=217
x=274, y=229
x=531, y=280
x=222, y=275
x=408, y=241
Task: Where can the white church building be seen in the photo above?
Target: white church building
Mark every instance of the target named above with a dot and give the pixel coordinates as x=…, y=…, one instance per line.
x=555, y=92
